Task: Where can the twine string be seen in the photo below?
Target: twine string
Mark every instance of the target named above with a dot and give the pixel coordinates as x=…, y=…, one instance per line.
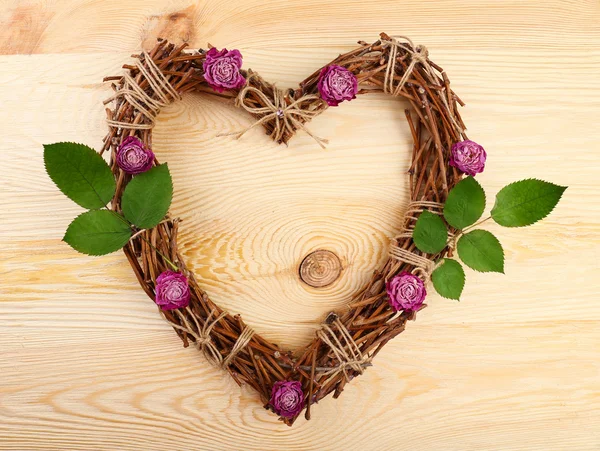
x=239, y=344
x=201, y=334
x=421, y=265
x=418, y=55
x=453, y=239
x=285, y=117
x=205, y=342
x=149, y=104
x=412, y=214
x=347, y=353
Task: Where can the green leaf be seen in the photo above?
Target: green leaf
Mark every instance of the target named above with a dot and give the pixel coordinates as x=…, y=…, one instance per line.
x=147, y=197
x=98, y=232
x=80, y=173
x=524, y=202
x=430, y=234
x=481, y=251
x=449, y=279
x=465, y=203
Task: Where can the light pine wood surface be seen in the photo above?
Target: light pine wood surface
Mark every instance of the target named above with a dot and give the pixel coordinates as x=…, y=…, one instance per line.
x=86, y=363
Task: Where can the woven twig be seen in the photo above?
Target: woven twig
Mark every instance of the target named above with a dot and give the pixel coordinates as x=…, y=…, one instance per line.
x=348, y=341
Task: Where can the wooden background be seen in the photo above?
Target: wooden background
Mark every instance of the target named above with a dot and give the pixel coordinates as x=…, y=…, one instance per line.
x=87, y=363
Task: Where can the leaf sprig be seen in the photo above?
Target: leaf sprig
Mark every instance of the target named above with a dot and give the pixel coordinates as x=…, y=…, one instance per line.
x=85, y=178
x=519, y=204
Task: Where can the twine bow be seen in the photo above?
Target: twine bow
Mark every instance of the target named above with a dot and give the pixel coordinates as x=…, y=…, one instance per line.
x=348, y=353
x=150, y=103
x=286, y=117
x=418, y=55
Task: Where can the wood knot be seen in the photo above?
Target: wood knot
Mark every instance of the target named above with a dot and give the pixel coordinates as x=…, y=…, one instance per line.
x=320, y=268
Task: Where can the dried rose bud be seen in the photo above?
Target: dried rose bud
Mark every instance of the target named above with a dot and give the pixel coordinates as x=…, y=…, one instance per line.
x=133, y=157
x=222, y=69
x=287, y=398
x=468, y=156
x=172, y=290
x=406, y=292
x=336, y=84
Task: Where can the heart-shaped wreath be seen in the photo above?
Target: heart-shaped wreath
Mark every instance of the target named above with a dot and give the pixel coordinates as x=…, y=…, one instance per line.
x=444, y=207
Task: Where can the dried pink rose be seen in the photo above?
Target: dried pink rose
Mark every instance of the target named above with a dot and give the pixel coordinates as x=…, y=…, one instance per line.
x=133, y=157
x=222, y=69
x=406, y=292
x=336, y=84
x=287, y=398
x=172, y=290
x=468, y=156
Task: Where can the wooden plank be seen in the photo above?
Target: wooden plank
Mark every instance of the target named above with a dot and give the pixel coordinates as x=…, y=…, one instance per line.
x=85, y=361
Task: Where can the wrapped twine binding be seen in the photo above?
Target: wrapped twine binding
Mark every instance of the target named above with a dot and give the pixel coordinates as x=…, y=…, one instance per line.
x=202, y=336
x=345, y=350
x=422, y=266
x=148, y=103
x=345, y=345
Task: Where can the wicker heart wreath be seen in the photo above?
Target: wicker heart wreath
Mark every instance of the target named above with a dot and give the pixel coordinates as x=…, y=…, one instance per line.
x=444, y=206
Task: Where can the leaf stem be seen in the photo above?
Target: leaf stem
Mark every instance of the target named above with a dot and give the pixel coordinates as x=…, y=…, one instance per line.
x=139, y=233
x=170, y=263
x=119, y=216
x=475, y=225
x=454, y=239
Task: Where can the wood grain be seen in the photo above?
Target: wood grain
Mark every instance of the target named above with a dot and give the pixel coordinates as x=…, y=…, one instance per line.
x=86, y=362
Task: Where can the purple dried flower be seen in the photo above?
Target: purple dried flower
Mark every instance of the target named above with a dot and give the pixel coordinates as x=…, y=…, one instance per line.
x=468, y=156
x=133, y=157
x=222, y=69
x=336, y=84
x=172, y=290
x=287, y=398
x=406, y=292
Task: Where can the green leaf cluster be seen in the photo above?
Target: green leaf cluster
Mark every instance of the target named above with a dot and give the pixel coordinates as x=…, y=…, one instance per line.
x=84, y=177
x=519, y=204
